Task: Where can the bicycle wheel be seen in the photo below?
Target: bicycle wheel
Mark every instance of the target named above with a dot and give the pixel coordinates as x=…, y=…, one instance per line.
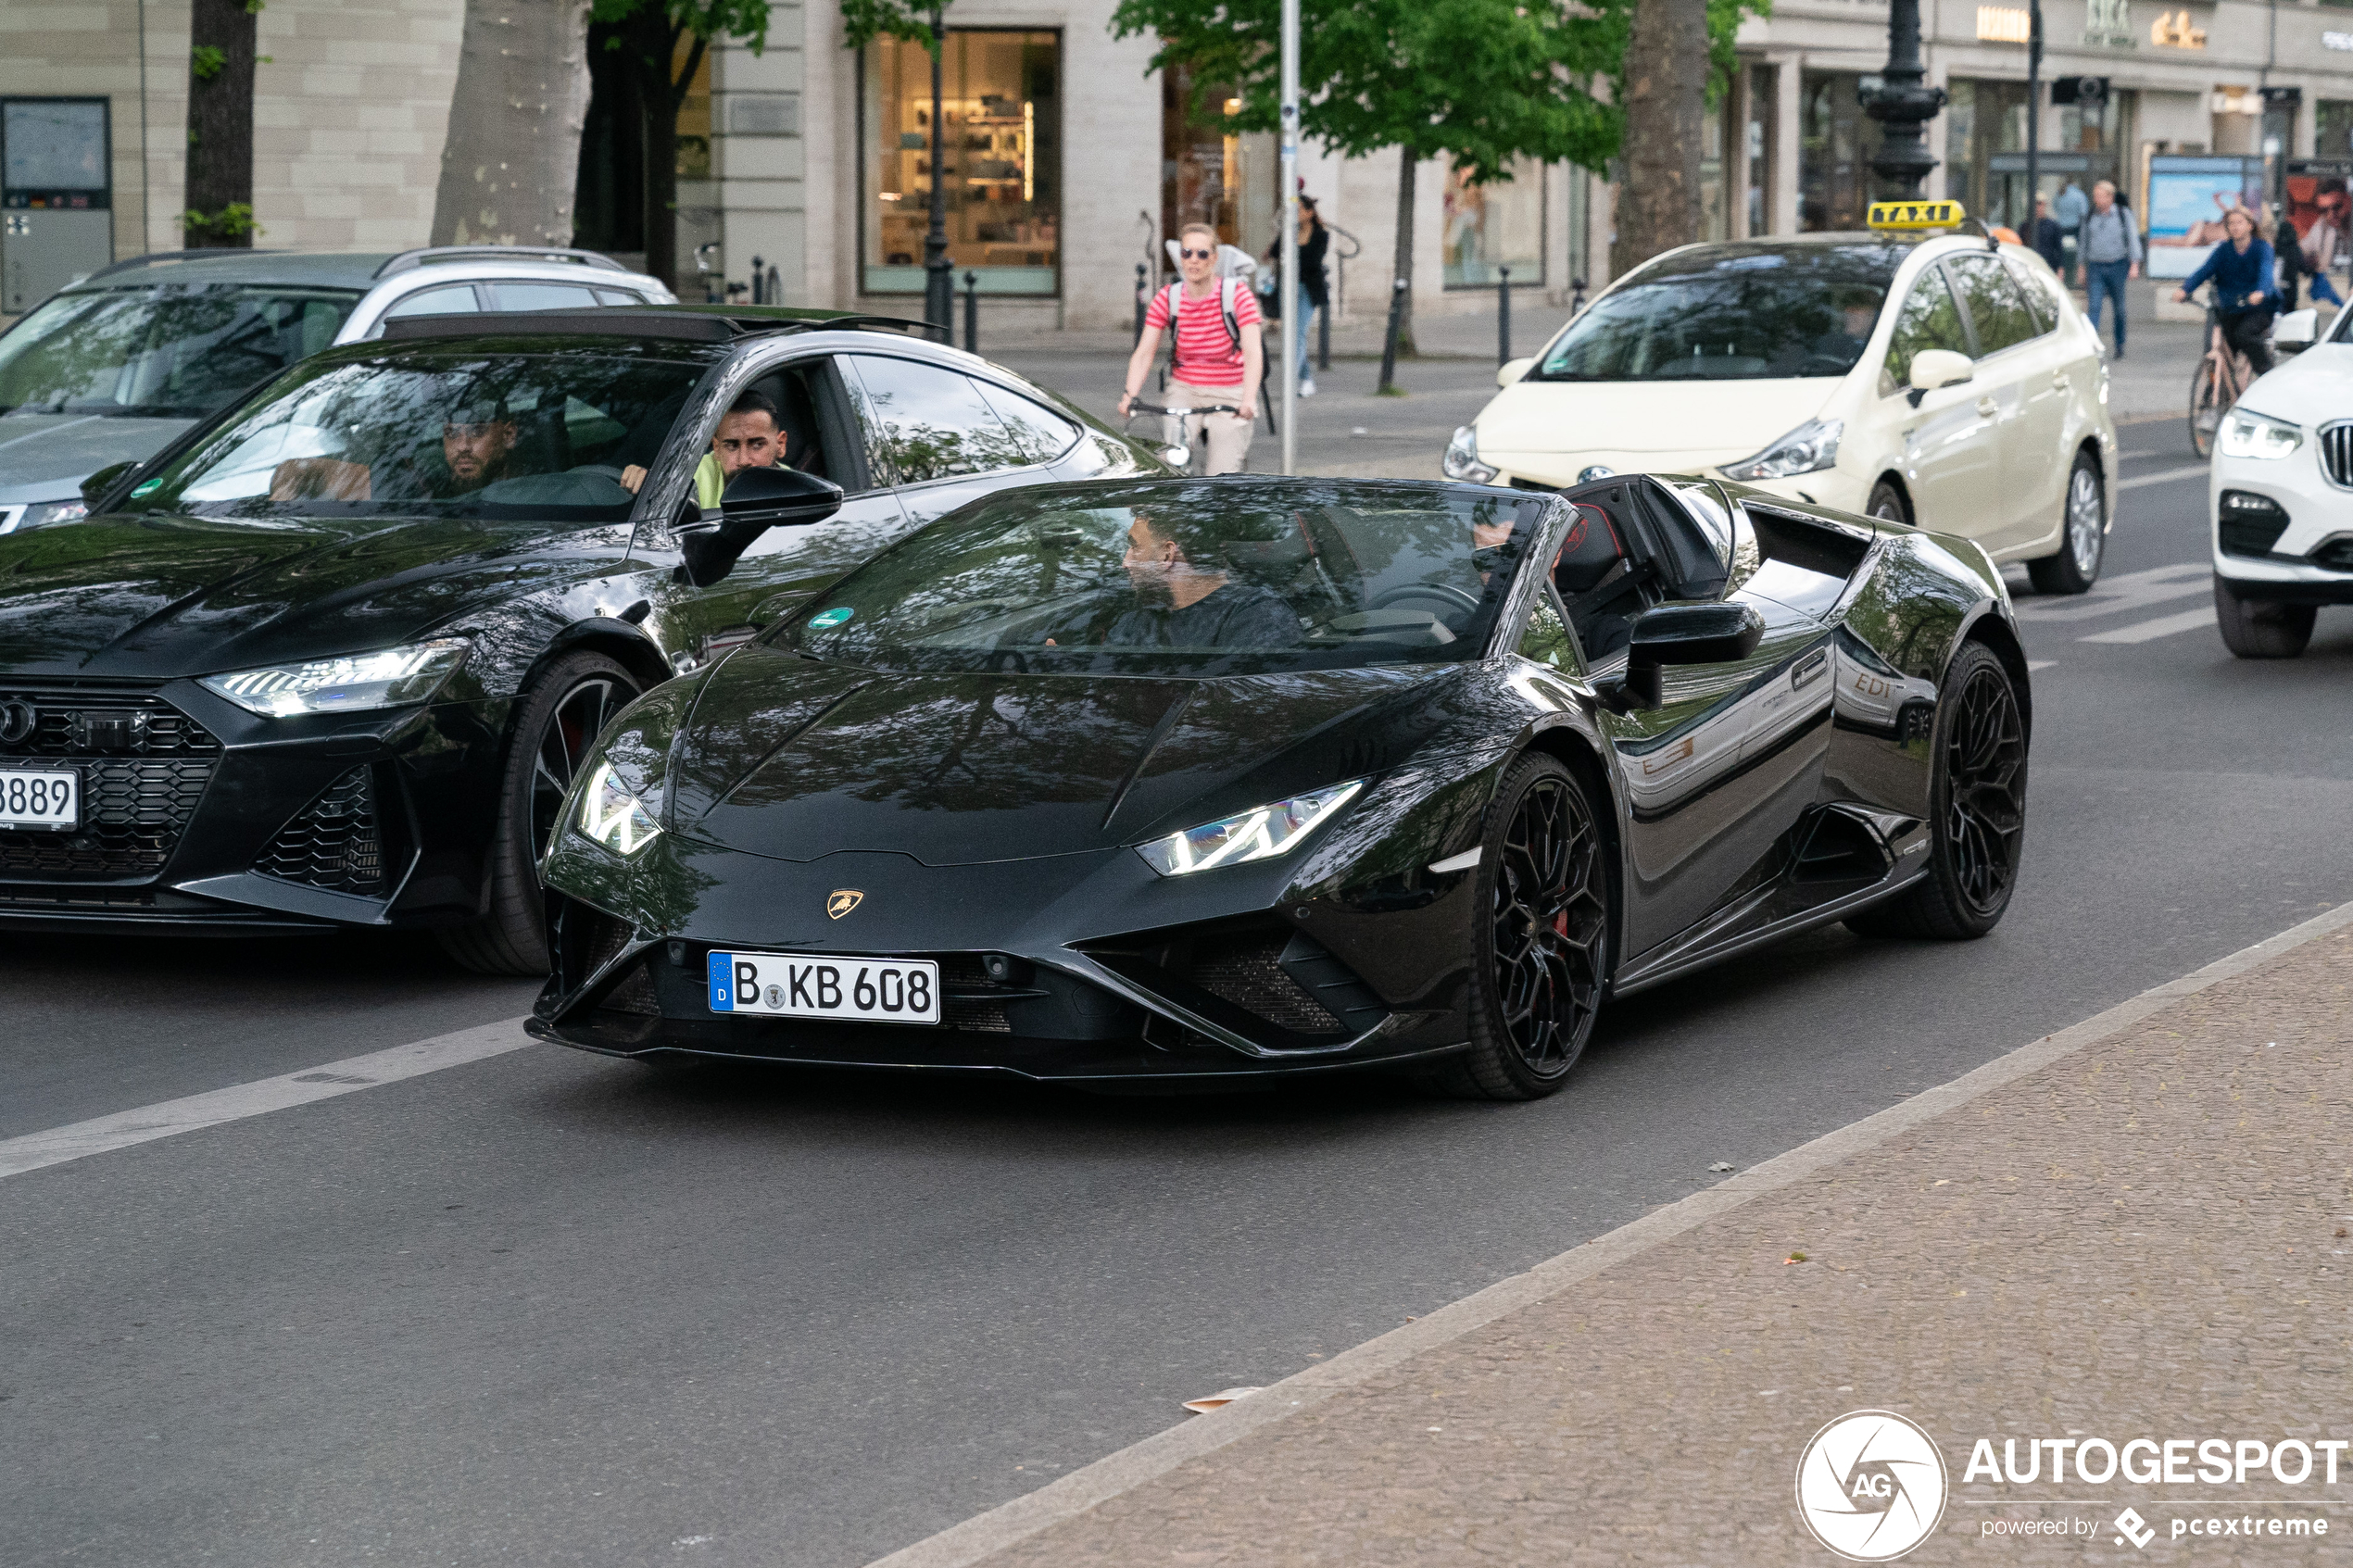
x=2206, y=408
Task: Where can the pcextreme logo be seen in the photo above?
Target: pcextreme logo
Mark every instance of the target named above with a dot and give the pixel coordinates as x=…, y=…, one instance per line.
x=1871, y=1485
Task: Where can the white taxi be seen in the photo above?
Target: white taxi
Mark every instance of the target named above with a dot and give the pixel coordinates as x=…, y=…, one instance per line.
x=1946, y=382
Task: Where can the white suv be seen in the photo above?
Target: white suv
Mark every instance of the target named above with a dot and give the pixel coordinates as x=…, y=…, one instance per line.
x=113, y=366
x=2281, y=494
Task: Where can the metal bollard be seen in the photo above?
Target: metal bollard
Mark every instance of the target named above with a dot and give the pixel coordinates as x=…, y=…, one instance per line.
x=758, y=297
x=1142, y=289
x=1577, y=296
x=775, y=286
x=971, y=312
x=1389, y=340
x=1503, y=316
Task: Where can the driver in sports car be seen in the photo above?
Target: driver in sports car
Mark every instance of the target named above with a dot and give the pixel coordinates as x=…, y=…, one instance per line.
x=750, y=436
x=1182, y=603
x=477, y=449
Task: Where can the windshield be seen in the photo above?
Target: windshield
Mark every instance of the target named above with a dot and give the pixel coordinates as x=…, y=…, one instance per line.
x=1731, y=313
x=459, y=434
x=1233, y=578
x=180, y=350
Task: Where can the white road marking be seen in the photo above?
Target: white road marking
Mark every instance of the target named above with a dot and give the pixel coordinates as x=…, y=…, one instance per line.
x=124, y=1128
x=2168, y=477
x=2134, y=589
x=2163, y=626
x=2035, y=664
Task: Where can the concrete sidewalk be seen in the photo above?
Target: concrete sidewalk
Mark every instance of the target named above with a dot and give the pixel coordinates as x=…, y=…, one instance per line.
x=2134, y=1229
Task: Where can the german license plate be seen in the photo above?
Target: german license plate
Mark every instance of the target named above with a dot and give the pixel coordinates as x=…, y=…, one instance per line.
x=40, y=798
x=826, y=985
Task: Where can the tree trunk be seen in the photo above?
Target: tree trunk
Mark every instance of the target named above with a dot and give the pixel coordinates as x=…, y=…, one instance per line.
x=1407, y=160
x=1658, y=205
x=510, y=165
x=652, y=45
x=219, y=193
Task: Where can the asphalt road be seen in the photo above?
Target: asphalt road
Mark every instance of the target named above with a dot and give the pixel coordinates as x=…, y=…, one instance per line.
x=548, y=1308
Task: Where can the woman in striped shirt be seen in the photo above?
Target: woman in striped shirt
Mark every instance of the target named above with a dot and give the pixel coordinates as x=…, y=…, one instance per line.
x=1210, y=366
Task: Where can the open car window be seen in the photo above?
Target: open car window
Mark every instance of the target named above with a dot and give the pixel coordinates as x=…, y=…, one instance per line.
x=454, y=434
x=1183, y=579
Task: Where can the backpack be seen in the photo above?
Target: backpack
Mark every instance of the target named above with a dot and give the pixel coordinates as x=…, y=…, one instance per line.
x=1174, y=295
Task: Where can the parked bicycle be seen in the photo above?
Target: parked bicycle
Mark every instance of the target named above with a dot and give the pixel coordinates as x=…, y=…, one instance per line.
x=2220, y=379
x=1182, y=437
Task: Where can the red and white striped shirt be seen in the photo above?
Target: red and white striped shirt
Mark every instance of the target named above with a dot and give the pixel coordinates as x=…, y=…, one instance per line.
x=1205, y=354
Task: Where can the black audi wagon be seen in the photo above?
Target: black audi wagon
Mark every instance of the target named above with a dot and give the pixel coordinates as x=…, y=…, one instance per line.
x=331, y=659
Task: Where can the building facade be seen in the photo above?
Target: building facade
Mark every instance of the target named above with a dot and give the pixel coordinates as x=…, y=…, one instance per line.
x=1068, y=162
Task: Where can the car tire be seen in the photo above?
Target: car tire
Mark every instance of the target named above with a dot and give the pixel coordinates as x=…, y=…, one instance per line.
x=1977, y=810
x=1887, y=502
x=1540, y=937
x=556, y=719
x=2260, y=629
x=2082, y=533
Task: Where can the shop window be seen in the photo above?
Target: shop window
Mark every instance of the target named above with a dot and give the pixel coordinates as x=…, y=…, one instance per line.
x=1836, y=143
x=1212, y=171
x=1763, y=90
x=1984, y=123
x=999, y=156
x=2332, y=126
x=1500, y=224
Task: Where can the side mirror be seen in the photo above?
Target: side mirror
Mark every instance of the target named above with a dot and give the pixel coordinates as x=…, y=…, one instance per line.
x=95, y=488
x=755, y=501
x=1512, y=370
x=1935, y=368
x=1681, y=633
x=2296, y=330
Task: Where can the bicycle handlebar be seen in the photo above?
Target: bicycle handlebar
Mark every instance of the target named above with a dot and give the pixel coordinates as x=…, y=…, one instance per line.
x=1140, y=407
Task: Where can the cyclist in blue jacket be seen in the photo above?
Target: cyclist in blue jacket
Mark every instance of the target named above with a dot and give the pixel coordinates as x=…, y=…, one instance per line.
x=2245, y=294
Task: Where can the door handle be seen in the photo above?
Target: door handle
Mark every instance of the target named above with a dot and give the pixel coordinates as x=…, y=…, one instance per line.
x=1810, y=669
x=2059, y=380
x=1988, y=408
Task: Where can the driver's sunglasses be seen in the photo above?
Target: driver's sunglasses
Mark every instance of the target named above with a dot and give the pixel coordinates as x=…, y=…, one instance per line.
x=1197, y=254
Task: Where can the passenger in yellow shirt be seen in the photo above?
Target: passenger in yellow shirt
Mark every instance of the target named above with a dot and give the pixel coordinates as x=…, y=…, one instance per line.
x=749, y=437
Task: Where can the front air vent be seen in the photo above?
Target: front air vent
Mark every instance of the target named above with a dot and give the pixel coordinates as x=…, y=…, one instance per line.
x=2336, y=554
x=2249, y=525
x=1246, y=968
x=144, y=766
x=1258, y=977
x=335, y=843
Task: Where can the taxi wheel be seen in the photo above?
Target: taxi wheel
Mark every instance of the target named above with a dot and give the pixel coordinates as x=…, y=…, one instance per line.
x=2082, y=534
x=555, y=721
x=1887, y=501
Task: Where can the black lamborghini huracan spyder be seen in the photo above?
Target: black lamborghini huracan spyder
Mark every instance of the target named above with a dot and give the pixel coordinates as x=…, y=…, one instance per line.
x=1188, y=780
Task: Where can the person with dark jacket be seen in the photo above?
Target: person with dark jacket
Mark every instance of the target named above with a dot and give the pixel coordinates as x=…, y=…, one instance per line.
x=2243, y=292
x=2043, y=234
x=2110, y=247
x=2287, y=256
x=1313, y=291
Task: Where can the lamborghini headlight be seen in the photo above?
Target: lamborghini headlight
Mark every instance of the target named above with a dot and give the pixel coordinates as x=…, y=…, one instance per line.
x=2249, y=434
x=610, y=816
x=351, y=684
x=1259, y=834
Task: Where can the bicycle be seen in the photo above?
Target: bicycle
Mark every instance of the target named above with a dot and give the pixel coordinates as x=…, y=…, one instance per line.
x=2220, y=379
x=1179, y=431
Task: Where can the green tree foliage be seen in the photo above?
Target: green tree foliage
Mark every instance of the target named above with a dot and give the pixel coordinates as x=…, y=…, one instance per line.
x=663, y=43
x=862, y=22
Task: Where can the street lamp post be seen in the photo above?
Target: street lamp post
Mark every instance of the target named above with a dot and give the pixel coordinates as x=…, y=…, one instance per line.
x=1902, y=104
x=940, y=273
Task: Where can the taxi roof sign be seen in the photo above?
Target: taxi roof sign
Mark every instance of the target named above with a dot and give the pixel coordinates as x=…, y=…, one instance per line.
x=1916, y=215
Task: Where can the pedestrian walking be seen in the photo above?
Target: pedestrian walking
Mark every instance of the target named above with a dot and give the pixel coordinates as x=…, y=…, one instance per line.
x=1314, y=294
x=1219, y=355
x=2288, y=262
x=2110, y=251
x=2043, y=234
x=2070, y=210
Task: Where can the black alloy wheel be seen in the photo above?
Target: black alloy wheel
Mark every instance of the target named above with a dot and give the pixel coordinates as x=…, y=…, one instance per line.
x=556, y=719
x=1977, y=811
x=1541, y=945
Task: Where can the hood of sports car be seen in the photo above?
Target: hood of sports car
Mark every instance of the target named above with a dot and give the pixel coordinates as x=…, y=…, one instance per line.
x=788, y=758
x=167, y=597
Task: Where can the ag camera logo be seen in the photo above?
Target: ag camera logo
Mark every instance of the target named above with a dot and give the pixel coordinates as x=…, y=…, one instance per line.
x=1871, y=1485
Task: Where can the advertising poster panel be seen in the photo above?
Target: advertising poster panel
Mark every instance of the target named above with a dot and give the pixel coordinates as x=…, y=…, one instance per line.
x=2187, y=199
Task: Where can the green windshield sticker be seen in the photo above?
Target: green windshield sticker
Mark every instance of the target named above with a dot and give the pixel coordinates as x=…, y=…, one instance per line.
x=824, y=620
x=149, y=488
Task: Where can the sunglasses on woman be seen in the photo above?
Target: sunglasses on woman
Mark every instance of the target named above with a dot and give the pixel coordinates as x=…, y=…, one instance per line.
x=1197, y=254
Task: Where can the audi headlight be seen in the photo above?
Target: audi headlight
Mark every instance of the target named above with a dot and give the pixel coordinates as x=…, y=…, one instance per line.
x=1259, y=834
x=2248, y=435
x=351, y=684
x=1811, y=446
x=41, y=514
x=610, y=816
x=1461, y=460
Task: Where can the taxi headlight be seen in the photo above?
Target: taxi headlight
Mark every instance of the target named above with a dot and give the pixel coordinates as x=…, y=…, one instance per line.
x=2248, y=435
x=1811, y=446
x=350, y=684
x=1259, y=834
x=610, y=816
x=1461, y=460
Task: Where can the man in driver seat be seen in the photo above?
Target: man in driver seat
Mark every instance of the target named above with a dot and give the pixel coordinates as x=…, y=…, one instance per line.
x=1180, y=602
x=750, y=436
